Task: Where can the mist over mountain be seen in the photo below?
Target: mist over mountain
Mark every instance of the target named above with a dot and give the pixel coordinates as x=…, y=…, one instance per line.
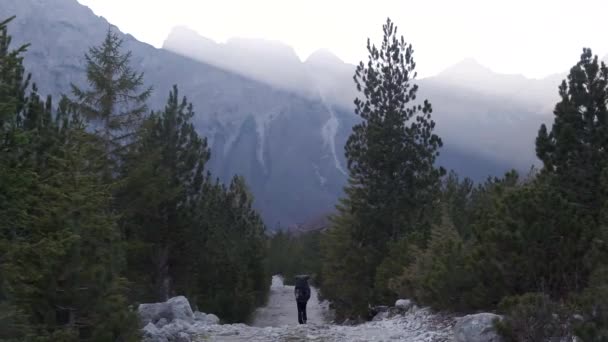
x=477, y=110
x=283, y=123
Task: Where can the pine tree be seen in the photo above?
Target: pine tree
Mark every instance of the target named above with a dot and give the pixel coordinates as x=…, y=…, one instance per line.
x=574, y=156
x=60, y=247
x=233, y=253
x=574, y=151
x=15, y=179
x=114, y=102
x=166, y=172
x=391, y=156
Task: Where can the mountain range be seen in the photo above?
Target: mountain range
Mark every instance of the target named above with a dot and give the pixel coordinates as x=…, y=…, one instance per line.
x=281, y=122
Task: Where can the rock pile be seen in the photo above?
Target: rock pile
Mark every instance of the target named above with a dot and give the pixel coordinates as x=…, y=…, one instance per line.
x=173, y=321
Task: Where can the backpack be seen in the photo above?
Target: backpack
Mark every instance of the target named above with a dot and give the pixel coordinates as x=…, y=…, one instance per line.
x=300, y=294
x=302, y=290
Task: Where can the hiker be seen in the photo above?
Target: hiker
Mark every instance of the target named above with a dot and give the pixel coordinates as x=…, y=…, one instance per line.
x=302, y=292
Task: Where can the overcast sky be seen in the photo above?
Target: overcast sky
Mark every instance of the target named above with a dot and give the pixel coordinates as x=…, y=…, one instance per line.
x=531, y=37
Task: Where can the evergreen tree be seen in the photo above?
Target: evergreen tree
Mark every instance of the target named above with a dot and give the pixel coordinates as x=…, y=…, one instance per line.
x=114, y=102
x=165, y=177
x=574, y=151
x=574, y=154
x=230, y=241
x=60, y=248
x=391, y=156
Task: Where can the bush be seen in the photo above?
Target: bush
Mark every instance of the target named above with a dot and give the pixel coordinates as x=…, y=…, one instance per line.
x=534, y=317
x=593, y=303
x=439, y=275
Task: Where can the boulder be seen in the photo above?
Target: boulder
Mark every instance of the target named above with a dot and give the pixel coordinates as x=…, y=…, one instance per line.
x=150, y=333
x=381, y=316
x=182, y=337
x=180, y=308
x=212, y=319
x=206, y=319
x=161, y=323
x=404, y=304
x=477, y=328
x=174, y=308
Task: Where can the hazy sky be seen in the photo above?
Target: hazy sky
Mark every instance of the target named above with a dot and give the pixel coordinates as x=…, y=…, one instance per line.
x=532, y=37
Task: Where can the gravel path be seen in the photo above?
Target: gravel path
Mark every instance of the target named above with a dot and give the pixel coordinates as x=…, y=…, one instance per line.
x=277, y=321
x=281, y=308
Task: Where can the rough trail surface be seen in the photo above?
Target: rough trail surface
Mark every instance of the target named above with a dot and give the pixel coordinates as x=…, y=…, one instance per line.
x=277, y=321
x=281, y=309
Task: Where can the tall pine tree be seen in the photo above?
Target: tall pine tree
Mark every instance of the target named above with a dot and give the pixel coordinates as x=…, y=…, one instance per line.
x=60, y=258
x=165, y=177
x=574, y=155
x=115, y=101
x=391, y=156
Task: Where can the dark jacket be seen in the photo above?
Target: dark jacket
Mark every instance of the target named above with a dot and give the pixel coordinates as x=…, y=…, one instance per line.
x=302, y=290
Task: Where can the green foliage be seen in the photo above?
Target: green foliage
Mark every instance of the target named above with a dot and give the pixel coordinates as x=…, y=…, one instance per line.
x=82, y=212
x=290, y=254
x=229, y=244
x=534, y=317
x=62, y=256
x=439, y=275
x=114, y=102
x=186, y=234
x=393, y=180
x=534, y=248
x=345, y=269
x=165, y=172
x=593, y=304
x=574, y=152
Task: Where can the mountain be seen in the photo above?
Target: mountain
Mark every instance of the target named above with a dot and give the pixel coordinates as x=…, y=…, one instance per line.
x=487, y=116
x=280, y=122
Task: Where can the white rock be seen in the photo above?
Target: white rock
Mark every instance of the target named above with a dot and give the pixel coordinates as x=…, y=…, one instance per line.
x=404, y=304
x=477, y=328
x=212, y=319
x=174, y=308
x=161, y=323
x=180, y=308
x=182, y=337
x=150, y=333
x=206, y=319
x=380, y=316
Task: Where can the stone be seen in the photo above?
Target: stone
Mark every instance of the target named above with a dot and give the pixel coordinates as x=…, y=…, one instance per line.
x=212, y=319
x=182, y=337
x=180, y=308
x=477, y=328
x=381, y=316
x=150, y=333
x=404, y=304
x=161, y=323
x=206, y=319
x=174, y=308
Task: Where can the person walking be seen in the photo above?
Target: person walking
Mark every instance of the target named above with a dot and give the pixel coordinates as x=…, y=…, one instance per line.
x=302, y=293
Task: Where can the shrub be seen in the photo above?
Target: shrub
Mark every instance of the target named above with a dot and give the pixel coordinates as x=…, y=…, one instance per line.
x=534, y=317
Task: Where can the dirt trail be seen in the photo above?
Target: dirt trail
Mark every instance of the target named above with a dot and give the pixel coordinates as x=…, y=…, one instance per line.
x=281, y=308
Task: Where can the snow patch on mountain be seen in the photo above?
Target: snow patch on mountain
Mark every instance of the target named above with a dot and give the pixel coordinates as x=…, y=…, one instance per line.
x=261, y=124
x=329, y=132
x=322, y=180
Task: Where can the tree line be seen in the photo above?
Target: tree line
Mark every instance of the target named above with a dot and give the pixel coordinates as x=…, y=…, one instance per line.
x=105, y=204
x=530, y=246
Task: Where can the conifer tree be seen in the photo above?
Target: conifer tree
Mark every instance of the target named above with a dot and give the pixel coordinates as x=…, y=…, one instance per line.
x=165, y=178
x=114, y=101
x=391, y=156
x=60, y=248
x=574, y=155
x=574, y=151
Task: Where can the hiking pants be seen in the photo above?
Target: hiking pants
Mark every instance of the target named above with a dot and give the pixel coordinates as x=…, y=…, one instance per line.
x=302, y=312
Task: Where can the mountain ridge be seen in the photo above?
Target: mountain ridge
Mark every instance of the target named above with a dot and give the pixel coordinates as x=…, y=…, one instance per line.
x=287, y=141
